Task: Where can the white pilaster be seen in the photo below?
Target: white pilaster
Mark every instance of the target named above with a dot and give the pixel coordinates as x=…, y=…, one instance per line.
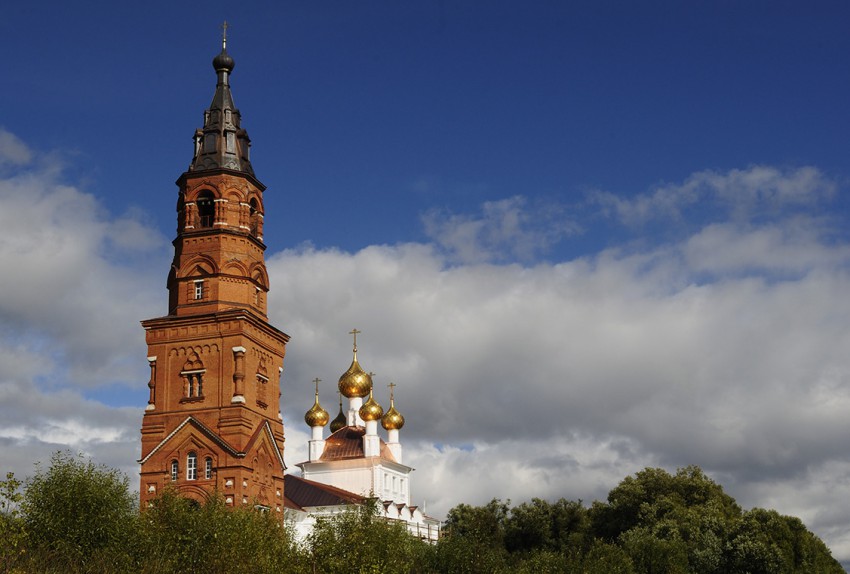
x=371, y=440
x=354, y=405
x=316, y=443
x=394, y=445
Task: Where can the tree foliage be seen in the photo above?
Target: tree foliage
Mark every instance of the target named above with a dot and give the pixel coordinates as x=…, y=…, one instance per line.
x=653, y=522
x=11, y=525
x=178, y=535
x=78, y=517
x=358, y=541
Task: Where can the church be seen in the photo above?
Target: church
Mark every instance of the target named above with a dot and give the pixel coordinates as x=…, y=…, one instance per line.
x=213, y=421
x=354, y=462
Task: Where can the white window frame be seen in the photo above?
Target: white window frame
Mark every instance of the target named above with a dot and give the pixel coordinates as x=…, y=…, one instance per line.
x=175, y=470
x=192, y=466
x=208, y=468
x=199, y=289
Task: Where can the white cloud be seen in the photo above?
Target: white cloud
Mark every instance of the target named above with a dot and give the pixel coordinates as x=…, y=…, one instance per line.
x=64, y=285
x=505, y=230
x=13, y=151
x=792, y=246
x=742, y=194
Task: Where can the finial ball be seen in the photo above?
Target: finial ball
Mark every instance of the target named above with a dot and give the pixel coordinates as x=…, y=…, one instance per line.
x=223, y=62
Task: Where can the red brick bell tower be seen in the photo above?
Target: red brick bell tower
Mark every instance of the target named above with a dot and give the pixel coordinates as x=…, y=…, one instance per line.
x=213, y=418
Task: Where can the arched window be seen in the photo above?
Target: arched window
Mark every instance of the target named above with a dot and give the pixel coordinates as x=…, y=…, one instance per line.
x=208, y=468
x=254, y=212
x=175, y=470
x=206, y=209
x=192, y=466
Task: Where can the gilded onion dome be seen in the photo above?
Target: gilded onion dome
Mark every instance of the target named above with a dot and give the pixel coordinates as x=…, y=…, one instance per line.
x=316, y=416
x=371, y=410
x=340, y=421
x=355, y=382
x=392, y=420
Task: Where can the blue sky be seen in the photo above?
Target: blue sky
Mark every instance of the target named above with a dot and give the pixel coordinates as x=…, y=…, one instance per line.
x=381, y=111
x=582, y=237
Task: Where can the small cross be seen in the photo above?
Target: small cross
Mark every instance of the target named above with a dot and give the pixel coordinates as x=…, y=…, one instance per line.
x=354, y=332
x=392, y=387
x=224, y=35
x=317, y=380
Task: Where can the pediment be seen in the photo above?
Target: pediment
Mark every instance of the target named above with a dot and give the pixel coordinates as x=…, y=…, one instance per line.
x=191, y=432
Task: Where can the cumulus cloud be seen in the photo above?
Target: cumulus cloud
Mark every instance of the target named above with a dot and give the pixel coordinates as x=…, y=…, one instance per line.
x=13, y=151
x=486, y=351
x=65, y=285
x=741, y=194
x=505, y=230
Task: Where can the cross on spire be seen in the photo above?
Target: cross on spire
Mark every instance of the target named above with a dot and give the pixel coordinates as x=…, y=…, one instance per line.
x=317, y=380
x=354, y=332
x=224, y=35
x=392, y=387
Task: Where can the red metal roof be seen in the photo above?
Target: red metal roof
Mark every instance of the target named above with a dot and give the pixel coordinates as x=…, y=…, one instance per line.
x=300, y=493
x=347, y=443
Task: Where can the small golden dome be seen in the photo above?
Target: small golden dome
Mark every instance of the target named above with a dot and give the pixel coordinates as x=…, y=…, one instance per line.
x=339, y=422
x=393, y=419
x=355, y=382
x=371, y=410
x=316, y=416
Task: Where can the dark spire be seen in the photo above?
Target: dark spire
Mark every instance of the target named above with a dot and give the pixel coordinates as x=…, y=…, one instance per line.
x=222, y=143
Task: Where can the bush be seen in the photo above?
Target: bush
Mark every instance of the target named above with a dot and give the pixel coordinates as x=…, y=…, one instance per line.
x=78, y=516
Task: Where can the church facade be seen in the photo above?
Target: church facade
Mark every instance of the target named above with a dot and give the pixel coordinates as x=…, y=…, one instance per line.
x=213, y=422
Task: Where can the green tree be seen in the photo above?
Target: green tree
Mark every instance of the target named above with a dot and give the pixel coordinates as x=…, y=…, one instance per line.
x=652, y=493
x=765, y=542
x=541, y=561
x=562, y=526
x=604, y=558
x=359, y=541
x=653, y=554
x=474, y=539
x=11, y=525
x=78, y=516
x=179, y=535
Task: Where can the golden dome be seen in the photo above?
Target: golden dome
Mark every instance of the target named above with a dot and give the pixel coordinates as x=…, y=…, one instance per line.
x=355, y=382
x=392, y=420
x=371, y=410
x=316, y=416
x=339, y=422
